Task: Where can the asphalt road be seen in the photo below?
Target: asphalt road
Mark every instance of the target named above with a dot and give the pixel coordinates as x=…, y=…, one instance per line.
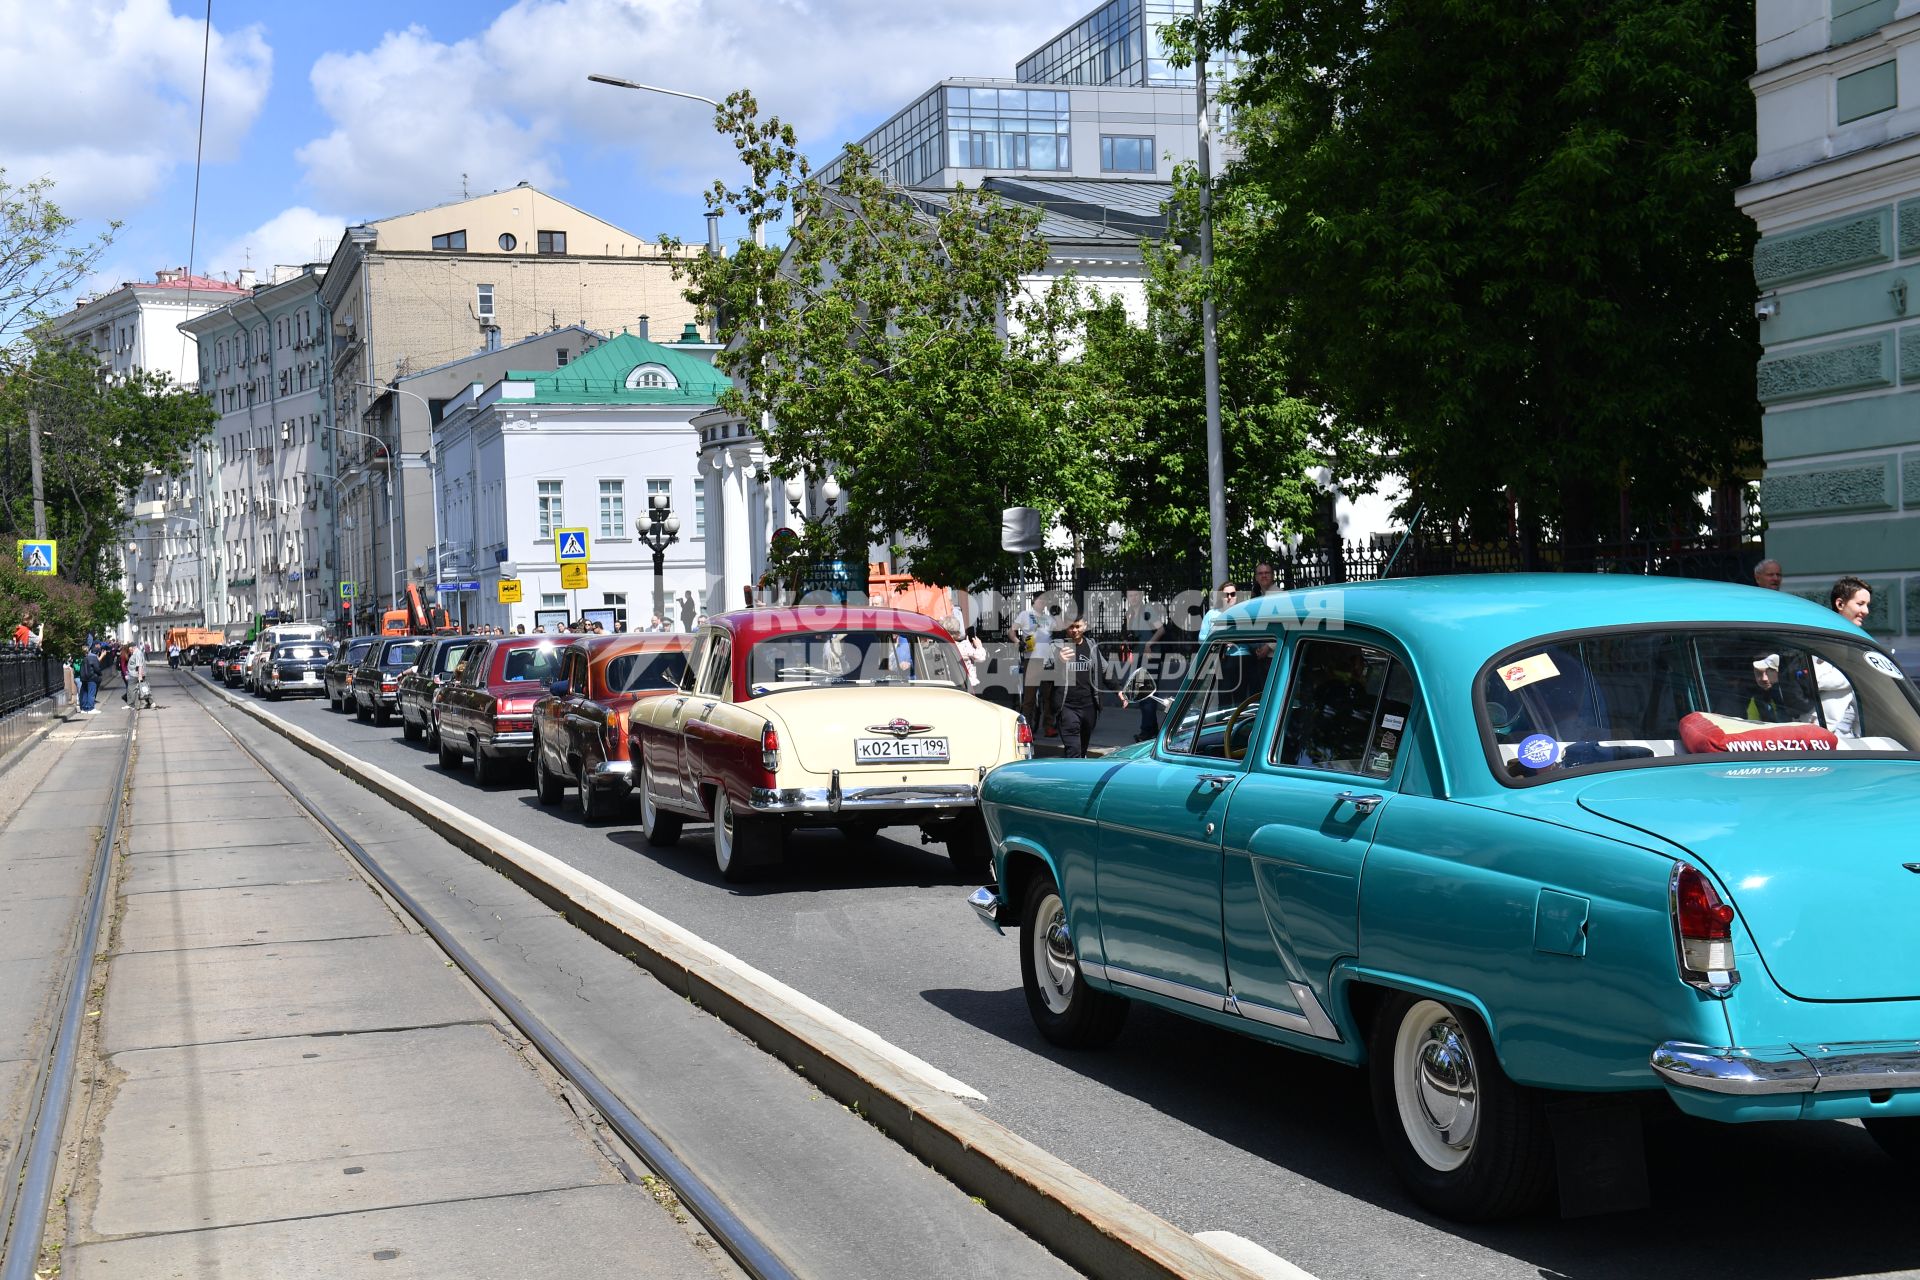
x=1213, y=1131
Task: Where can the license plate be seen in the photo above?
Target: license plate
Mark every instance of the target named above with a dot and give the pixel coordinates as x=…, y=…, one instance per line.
x=900, y=751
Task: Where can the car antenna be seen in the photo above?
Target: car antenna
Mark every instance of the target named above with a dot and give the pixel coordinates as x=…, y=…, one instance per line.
x=1411, y=526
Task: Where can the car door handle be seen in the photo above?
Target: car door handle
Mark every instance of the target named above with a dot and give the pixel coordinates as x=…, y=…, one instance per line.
x=1212, y=782
x=1363, y=804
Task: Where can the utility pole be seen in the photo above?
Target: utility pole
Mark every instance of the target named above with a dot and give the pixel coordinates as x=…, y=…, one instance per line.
x=39, y=480
x=1210, y=340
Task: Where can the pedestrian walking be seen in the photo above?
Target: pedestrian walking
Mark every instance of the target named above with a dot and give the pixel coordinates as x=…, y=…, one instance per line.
x=173, y=656
x=89, y=681
x=134, y=672
x=973, y=654
x=1079, y=707
x=688, y=608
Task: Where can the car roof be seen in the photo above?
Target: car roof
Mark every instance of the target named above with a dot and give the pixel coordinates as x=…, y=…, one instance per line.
x=750, y=625
x=1469, y=617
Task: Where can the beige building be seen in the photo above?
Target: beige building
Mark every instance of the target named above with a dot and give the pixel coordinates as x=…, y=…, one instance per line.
x=419, y=290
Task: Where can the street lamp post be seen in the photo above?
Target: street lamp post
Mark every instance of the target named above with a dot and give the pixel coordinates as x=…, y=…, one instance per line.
x=1210, y=339
x=397, y=458
x=660, y=530
x=797, y=496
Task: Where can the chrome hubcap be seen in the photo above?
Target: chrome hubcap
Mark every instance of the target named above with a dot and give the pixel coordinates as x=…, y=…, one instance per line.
x=1053, y=955
x=1444, y=1083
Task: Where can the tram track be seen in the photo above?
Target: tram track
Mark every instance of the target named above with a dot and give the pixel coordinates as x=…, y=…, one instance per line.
x=29, y=1175
x=753, y=1254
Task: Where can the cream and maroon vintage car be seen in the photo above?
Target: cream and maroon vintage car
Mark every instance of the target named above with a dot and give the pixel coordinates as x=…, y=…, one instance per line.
x=826, y=717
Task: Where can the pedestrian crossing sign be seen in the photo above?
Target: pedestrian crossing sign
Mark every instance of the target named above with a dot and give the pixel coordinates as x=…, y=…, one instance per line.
x=39, y=555
x=570, y=546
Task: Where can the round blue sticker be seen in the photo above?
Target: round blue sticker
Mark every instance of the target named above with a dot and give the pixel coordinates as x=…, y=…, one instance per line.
x=1538, y=751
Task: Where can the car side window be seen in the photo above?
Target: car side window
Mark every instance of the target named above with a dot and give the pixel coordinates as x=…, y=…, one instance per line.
x=1216, y=717
x=1347, y=709
x=716, y=678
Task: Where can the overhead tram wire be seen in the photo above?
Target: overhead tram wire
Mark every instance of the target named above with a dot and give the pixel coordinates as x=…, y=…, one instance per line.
x=199, y=148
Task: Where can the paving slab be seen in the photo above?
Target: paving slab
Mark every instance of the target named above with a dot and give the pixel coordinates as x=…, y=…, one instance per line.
x=226, y=833
x=26, y=1003
x=215, y=1134
x=38, y=903
x=77, y=814
x=607, y=1232
x=254, y=916
x=295, y=988
x=170, y=805
x=147, y=779
x=239, y=865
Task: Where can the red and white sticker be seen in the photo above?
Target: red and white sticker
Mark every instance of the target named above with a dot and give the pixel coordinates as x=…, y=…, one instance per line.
x=1518, y=675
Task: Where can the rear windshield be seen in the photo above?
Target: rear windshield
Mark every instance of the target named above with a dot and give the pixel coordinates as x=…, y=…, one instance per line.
x=301, y=652
x=1612, y=698
x=531, y=662
x=358, y=650
x=852, y=657
x=637, y=672
x=403, y=654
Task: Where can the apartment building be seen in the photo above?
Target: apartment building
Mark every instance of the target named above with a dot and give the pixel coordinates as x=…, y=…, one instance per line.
x=268, y=513
x=422, y=289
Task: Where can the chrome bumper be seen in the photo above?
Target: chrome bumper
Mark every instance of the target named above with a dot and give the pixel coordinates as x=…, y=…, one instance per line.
x=518, y=743
x=839, y=799
x=986, y=904
x=1754, y=1070
x=620, y=771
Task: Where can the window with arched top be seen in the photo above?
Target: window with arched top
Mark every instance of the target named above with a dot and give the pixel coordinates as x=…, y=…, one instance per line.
x=651, y=377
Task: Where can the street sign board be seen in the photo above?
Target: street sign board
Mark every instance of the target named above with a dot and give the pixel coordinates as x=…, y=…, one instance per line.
x=39, y=555
x=573, y=577
x=346, y=591
x=449, y=588
x=571, y=546
x=510, y=590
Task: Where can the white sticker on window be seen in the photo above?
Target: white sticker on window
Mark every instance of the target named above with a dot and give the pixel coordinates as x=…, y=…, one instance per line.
x=1879, y=662
x=1518, y=675
x=1393, y=722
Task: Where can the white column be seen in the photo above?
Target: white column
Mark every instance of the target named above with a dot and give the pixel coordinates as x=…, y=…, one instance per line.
x=737, y=570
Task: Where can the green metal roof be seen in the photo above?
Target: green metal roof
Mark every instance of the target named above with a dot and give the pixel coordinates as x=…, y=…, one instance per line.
x=601, y=376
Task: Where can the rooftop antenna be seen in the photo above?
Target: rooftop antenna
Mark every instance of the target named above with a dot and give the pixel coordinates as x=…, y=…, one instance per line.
x=1411, y=526
x=463, y=187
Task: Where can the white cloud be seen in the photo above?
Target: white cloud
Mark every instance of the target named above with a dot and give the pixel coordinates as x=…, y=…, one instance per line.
x=292, y=237
x=414, y=114
x=103, y=96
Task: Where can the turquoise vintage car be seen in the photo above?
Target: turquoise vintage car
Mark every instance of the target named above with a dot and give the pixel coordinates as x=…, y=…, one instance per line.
x=1512, y=843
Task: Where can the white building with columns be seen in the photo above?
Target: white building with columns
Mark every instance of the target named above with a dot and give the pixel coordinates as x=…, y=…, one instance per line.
x=585, y=446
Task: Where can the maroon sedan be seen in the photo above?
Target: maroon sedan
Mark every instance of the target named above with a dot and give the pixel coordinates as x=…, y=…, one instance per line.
x=580, y=727
x=486, y=709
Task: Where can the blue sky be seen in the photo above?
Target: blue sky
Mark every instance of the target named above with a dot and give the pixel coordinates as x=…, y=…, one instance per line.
x=321, y=114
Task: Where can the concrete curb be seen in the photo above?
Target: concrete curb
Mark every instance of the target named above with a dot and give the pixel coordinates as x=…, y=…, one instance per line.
x=1087, y=1223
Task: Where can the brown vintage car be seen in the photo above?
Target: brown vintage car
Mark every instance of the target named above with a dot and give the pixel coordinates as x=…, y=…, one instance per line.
x=580, y=726
x=486, y=709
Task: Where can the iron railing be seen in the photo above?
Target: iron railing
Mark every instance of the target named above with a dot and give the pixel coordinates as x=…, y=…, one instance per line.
x=26, y=676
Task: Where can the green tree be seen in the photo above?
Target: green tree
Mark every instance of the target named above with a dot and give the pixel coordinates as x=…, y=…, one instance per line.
x=892, y=342
x=1147, y=381
x=1499, y=241
x=39, y=265
x=100, y=438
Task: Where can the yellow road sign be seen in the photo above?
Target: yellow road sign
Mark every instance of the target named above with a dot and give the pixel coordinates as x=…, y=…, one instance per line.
x=509, y=591
x=573, y=577
x=572, y=546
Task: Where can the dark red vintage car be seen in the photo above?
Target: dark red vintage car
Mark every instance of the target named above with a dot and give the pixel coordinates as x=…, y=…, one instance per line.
x=580, y=726
x=486, y=709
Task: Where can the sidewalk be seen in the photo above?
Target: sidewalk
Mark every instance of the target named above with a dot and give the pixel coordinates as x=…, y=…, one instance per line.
x=292, y=1081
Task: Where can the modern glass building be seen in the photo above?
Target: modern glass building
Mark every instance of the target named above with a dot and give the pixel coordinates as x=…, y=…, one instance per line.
x=1117, y=44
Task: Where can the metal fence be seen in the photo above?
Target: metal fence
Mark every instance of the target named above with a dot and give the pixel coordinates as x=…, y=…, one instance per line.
x=26, y=676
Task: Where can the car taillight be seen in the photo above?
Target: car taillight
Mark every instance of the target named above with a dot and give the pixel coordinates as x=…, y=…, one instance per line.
x=613, y=732
x=1702, y=931
x=389, y=682
x=770, y=749
x=1023, y=738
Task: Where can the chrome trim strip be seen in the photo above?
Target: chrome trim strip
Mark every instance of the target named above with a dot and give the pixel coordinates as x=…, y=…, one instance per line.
x=1312, y=1020
x=827, y=800
x=1122, y=829
x=1762, y=1070
x=1162, y=987
x=1042, y=813
x=986, y=904
x=621, y=769
x=519, y=740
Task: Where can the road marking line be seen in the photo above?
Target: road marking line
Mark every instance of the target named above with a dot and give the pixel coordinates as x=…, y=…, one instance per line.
x=1251, y=1256
x=919, y=1068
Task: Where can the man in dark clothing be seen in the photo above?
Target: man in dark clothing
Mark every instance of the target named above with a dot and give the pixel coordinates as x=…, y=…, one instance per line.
x=1079, y=707
x=89, y=680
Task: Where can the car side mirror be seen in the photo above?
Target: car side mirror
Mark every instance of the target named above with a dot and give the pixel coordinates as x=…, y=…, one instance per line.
x=557, y=687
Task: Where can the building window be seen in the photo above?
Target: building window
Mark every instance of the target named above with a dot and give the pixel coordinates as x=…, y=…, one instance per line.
x=551, y=241
x=699, y=508
x=1125, y=154
x=552, y=513
x=613, y=508
x=508, y=242
x=553, y=599
x=616, y=601
x=660, y=488
x=483, y=300
x=560, y=358
x=651, y=377
x=452, y=242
